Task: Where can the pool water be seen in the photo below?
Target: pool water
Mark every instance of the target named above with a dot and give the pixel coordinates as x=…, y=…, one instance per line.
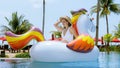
x=104, y=61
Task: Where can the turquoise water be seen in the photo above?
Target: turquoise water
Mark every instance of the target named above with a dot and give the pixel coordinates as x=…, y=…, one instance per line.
x=104, y=61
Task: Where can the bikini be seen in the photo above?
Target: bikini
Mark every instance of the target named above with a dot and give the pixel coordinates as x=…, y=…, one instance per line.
x=68, y=36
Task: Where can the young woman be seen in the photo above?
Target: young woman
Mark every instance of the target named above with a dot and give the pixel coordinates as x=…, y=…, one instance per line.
x=68, y=32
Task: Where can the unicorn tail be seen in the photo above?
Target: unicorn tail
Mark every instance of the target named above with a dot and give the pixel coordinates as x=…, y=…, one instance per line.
x=20, y=41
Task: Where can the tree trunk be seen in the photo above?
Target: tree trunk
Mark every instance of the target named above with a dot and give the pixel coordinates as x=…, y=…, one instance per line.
x=107, y=46
x=97, y=25
x=43, y=17
x=107, y=24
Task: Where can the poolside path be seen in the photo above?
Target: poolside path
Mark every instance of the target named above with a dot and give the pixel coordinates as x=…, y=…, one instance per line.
x=10, y=54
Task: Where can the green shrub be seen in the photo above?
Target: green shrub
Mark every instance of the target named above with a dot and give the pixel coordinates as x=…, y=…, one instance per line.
x=111, y=48
x=6, y=56
x=102, y=49
x=22, y=55
x=117, y=48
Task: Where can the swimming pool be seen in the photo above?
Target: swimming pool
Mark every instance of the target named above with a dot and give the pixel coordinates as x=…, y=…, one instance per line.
x=104, y=61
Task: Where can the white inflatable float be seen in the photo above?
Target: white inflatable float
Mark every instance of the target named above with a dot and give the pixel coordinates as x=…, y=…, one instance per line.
x=55, y=51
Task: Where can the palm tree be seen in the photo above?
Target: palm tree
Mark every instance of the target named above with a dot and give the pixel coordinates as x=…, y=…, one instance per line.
x=17, y=25
x=106, y=7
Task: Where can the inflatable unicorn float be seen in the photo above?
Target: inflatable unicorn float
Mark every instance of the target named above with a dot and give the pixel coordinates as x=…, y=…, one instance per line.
x=80, y=49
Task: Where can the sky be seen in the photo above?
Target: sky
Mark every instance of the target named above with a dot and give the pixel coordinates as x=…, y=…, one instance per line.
x=32, y=10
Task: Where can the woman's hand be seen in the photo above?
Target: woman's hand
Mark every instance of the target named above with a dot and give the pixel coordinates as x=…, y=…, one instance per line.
x=57, y=26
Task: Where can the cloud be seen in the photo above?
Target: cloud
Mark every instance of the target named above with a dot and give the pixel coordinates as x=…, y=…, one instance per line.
x=36, y=3
x=51, y=1
x=4, y=13
x=39, y=3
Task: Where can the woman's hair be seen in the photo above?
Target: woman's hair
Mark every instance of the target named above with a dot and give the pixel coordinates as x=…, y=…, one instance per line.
x=66, y=18
x=69, y=24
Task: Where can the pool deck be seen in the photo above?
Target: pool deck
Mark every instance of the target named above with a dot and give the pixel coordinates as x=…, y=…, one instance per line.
x=10, y=54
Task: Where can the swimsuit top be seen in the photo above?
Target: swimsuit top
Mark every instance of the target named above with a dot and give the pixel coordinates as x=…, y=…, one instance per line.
x=68, y=36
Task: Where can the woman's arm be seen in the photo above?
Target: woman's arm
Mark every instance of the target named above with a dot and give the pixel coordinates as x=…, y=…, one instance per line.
x=58, y=27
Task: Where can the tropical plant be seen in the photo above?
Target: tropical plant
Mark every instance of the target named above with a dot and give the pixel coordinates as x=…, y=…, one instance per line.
x=106, y=7
x=17, y=25
x=107, y=37
x=56, y=34
x=117, y=31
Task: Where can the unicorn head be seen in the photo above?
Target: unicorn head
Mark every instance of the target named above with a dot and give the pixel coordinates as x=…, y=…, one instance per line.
x=81, y=22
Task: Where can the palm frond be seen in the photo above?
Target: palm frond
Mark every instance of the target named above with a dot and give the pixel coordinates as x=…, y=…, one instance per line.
x=93, y=9
x=21, y=19
x=115, y=8
x=14, y=22
x=102, y=2
x=25, y=26
x=105, y=11
x=7, y=19
x=110, y=1
x=6, y=28
x=117, y=31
